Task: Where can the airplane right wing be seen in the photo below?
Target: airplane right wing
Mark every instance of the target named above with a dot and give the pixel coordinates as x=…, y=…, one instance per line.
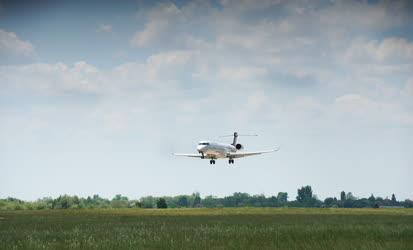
x=245, y=154
x=190, y=155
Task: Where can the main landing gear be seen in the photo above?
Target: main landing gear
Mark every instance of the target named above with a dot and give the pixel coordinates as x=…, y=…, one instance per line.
x=231, y=161
x=212, y=161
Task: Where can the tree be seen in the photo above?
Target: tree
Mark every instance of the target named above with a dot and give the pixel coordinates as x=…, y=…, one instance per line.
x=343, y=196
x=134, y=203
x=282, y=197
x=304, y=194
x=408, y=203
x=197, y=200
x=161, y=203
x=240, y=199
x=272, y=202
x=360, y=203
x=330, y=202
x=305, y=198
x=120, y=201
x=349, y=200
x=350, y=196
x=393, y=199
x=211, y=201
x=63, y=201
x=182, y=201
x=147, y=202
x=256, y=201
x=95, y=202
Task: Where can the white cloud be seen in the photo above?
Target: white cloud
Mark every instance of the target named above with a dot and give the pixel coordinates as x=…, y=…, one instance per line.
x=82, y=66
x=408, y=89
x=361, y=15
x=241, y=73
x=354, y=103
x=357, y=107
x=248, y=5
x=243, y=34
x=171, y=58
x=239, y=49
x=10, y=42
x=389, y=50
x=251, y=106
x=151, y=32
x=257, y=100
x=105, y=28
x=160, y=20
x=306, y=107
x=50, y=78
x=162, y=70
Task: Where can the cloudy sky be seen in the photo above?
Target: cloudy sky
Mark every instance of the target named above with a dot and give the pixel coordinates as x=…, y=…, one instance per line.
x=95, y=98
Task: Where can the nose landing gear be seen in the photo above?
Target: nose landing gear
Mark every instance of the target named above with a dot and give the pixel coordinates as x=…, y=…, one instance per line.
x=212, y=161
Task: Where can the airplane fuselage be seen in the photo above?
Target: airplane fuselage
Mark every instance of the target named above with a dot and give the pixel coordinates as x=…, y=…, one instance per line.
x=215, y=150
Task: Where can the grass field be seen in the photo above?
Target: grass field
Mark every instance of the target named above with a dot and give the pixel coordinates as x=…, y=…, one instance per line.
x=240, y=228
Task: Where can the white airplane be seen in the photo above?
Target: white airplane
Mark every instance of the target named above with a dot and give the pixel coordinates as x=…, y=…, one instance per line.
x=215, y=150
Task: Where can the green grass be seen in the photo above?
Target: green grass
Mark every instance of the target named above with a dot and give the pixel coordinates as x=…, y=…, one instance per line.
x=240, y=228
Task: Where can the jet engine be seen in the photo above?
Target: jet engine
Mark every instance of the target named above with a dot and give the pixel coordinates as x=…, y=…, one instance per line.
x=239, y=146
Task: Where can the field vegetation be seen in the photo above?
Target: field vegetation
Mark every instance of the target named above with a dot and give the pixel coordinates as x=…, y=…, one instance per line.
x=208, y=228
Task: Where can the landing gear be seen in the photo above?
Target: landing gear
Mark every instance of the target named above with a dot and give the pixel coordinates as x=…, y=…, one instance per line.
x=231, y=161
x=202, y=156
x=212, y=161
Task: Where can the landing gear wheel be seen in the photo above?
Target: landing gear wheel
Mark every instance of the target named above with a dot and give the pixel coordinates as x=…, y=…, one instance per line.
x=212, y=162
x=231, y=161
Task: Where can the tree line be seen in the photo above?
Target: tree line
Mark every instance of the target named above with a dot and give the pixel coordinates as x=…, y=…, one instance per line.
x=304, y=198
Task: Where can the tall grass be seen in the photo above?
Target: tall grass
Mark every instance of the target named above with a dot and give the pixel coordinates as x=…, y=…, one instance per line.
x=239, y=228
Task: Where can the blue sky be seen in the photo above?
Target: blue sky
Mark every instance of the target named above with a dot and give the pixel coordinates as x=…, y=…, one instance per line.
x=94, y=98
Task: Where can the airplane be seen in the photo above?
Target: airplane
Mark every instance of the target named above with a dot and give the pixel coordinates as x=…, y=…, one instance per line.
x=214, y=150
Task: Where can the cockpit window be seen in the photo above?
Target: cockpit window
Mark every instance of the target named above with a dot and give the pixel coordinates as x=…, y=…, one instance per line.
x=203, y=143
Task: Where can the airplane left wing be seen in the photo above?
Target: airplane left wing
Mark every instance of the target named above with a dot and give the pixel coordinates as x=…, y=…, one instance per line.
x=245, y=154
x=190, y=155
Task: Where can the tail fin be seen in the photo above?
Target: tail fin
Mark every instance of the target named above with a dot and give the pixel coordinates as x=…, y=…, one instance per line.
x=234, y=141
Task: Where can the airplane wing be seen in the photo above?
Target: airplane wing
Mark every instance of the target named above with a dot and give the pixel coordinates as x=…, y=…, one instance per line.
x=245, y=154
x=190, y=155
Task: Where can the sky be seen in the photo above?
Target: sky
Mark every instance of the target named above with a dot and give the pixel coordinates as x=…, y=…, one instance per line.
x=96, y=97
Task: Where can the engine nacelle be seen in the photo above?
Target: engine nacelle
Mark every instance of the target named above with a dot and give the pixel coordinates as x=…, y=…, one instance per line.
x=239, y=146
